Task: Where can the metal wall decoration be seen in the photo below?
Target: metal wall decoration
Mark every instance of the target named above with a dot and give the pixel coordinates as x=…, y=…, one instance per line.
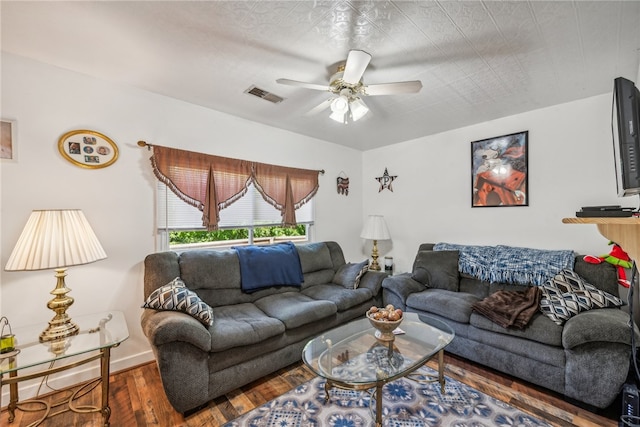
x=386, y=180
x=499, y=171
x=343, y=184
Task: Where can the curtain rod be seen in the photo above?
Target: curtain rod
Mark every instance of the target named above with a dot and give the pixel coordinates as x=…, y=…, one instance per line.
x=146, y=144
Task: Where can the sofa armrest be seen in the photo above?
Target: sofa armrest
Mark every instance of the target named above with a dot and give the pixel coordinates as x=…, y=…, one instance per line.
x=162, y=327
x=372, y=280
x=599, y=325
x=399, y=287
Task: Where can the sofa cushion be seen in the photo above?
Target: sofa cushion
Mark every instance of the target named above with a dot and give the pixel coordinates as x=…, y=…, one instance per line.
x=610, y=325
x=175, y=296
x=568, y=294
x=295, y=309
x=210, y=269
x=448, y=304
x=319, y=277
x=349, y=275
x=343, y=298
x=437, y=269
x=314, y=257
x=540, y=328
x=603, y=276
x=242, y=324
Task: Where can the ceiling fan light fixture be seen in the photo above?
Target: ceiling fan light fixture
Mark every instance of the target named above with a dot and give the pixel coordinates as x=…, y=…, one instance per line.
x=358, y=109
x=338, y=116
x=340, y=104
x=346, y=86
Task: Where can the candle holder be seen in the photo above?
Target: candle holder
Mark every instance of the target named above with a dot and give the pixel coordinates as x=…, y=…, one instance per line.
x=7, y=341
x=388, y=265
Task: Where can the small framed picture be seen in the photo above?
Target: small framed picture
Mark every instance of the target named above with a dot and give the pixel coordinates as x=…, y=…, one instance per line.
x=8, y=149
x=88, y=149
x=500, y=171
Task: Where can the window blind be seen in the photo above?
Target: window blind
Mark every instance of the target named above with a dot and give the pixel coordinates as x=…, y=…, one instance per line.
x=250, y=210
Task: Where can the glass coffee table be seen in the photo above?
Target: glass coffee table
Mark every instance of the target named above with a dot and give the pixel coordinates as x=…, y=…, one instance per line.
x=351, y=357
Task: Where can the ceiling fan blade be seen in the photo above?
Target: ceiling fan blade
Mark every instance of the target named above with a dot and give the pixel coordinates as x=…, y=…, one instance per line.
x=313, y=86
x=357, y=62
x=323, y=106
x=394, y=88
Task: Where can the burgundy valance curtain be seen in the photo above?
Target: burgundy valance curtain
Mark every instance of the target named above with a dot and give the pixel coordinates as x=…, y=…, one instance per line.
x=211, y=183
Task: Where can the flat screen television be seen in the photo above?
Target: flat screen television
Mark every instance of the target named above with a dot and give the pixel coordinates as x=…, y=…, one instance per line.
x=625, y=120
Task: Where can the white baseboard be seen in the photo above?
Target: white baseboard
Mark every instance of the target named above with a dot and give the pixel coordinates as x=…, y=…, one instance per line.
x=29, y=389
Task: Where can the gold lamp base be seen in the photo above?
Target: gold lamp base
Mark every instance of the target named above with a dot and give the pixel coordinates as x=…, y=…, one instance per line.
x=374, y=256
x=61, y=326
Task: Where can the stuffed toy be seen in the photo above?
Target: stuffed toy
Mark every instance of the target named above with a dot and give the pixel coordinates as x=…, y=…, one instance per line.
x=617, y=257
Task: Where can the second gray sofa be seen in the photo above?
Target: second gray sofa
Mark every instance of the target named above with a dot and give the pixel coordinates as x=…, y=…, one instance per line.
x=586, y=358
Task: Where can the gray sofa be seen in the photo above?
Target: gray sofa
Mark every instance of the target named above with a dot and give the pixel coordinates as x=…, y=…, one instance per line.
x=586, y=358
x=251, y=334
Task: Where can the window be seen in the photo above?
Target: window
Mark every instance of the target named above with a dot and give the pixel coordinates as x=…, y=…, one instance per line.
x=218, y=186
x=249, y=220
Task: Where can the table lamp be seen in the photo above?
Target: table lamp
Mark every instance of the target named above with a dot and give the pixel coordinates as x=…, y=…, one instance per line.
x=56, y=239
x=375, y=229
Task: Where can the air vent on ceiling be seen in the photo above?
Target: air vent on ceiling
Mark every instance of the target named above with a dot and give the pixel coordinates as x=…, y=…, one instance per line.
x=260, y=93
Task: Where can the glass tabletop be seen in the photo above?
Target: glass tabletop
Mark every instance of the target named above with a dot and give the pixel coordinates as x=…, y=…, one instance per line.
x=97, y=331
x=352, y=354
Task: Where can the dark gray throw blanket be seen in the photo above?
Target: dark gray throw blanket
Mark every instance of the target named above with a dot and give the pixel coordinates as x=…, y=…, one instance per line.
x=510, y=308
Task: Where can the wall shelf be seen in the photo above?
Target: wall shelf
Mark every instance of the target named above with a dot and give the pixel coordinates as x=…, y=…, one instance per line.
x=623, y=231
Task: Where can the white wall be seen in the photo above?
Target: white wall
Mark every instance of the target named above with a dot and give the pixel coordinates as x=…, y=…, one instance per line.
x=119, y=200
x=570, y=166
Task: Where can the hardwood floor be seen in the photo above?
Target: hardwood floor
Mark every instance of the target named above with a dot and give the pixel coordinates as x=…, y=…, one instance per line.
x=137, y=399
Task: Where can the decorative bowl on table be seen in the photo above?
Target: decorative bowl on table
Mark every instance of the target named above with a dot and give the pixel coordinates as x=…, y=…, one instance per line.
x=385, y=320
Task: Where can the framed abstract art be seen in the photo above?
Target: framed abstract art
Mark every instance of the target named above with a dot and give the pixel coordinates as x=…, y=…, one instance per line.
x=500, y=171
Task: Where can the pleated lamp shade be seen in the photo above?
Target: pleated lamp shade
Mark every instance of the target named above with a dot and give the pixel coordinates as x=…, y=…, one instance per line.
x=55, y=239
x=375, y=228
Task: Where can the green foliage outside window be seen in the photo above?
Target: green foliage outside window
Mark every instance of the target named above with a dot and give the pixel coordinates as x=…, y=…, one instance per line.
x=186, y=237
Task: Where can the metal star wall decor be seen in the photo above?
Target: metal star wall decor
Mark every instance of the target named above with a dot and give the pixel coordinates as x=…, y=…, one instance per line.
x=386, y=180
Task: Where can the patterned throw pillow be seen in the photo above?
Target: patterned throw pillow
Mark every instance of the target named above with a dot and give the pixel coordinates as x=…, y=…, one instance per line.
x=568, y=294
x=349, y=275
x=175, y=296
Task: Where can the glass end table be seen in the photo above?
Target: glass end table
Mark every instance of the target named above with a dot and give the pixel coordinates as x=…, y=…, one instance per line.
x=99, y=333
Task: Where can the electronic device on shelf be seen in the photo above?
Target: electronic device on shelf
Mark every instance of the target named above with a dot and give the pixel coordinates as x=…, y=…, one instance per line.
x=625, y=120
x=606, y=211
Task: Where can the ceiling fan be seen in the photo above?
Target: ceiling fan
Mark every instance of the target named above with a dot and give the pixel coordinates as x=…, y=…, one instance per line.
x=348, y=89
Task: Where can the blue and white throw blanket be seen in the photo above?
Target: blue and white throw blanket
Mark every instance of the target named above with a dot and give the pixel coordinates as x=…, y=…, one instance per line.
x=508, y=264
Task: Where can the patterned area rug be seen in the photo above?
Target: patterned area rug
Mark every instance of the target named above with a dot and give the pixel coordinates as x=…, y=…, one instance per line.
x=405, y=403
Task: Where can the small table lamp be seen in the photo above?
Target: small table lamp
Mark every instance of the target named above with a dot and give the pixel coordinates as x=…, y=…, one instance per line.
x=375, y=229
x=56, y=239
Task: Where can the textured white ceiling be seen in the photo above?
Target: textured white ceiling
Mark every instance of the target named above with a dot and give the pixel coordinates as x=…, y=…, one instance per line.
x=477, y=60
